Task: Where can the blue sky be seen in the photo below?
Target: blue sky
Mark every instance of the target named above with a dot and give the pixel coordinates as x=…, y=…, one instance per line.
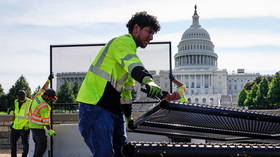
x=245, y=33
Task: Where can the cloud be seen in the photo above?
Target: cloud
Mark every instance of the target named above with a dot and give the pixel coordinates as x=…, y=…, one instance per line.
x=243, y=38
x=65, y=12
x=267, y=63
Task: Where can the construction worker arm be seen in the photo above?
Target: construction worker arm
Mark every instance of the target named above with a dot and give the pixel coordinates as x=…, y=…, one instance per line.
x=172, y=78
x=46, y=85
x=128, y=59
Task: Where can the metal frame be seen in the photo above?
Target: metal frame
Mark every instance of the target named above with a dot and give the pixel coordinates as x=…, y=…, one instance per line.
x=151, y=123
x=98, y=44
x=153, y=149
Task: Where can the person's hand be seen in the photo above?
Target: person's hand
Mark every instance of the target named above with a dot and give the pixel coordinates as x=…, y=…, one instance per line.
x=50, y=76
x=51, y=132
x=130, y=123
x=171, y=77
x=153, y=90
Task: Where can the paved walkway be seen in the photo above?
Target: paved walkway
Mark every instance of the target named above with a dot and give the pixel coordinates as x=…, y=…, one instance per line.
x=6, y=153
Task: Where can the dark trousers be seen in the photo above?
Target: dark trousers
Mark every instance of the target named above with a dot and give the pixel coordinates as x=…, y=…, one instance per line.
x=40, y=140
x=103, y=131
x=15, y=134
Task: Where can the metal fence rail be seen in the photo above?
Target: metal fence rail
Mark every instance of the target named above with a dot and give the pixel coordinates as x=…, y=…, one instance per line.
x=144, y=149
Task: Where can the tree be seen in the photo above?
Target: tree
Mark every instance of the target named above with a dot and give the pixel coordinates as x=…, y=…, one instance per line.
x=251, y=97
x=3, y=98
x=248, y=86
x=274, y=91
x=75, y=89
x=21, y=84
x=242, y=97
x=65, y=94
x=262, y=91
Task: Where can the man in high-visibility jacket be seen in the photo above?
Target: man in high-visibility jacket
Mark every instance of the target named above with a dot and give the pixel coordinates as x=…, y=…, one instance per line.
x=20, y=126
x=101, y=119
x=40, y=118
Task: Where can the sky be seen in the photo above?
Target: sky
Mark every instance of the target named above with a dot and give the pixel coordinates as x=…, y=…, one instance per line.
x=245, y=33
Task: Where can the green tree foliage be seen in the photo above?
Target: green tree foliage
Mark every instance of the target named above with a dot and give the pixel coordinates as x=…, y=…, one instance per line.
x=261, y=99
x=251, y=97
x=3, y=100
x=21, y=84
x=65, y=94
x=75, y=89
x=1, y=91
x=242, y=97
x=274, y=91
x=263, y=93
x=248, y=86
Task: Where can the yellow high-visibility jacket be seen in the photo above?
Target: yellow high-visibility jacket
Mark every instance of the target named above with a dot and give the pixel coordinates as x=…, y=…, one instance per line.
x=21, y=115
x=113, y=64
x=39, y=112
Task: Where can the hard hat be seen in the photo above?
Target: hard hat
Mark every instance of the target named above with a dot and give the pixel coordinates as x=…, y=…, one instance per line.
x=21, y=95
x=50, y=93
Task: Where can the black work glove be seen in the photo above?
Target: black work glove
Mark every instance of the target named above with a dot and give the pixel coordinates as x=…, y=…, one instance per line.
x=171, y=77
x=50, y=76
x=130, y=125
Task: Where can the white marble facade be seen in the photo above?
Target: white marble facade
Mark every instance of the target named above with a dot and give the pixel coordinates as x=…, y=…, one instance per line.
x=196, y=67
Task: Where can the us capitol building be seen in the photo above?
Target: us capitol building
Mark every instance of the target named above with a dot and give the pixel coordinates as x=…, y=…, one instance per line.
x=196, y=67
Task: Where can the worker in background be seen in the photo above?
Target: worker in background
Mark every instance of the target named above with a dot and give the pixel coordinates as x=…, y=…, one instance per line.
x=40, y=117
x=20, y=126
x=101, y=119
x=179, y=94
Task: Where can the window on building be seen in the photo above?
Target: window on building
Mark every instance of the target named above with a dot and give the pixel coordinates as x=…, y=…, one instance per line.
x=196, y=100
x=192, y=92
x=206, y=84
x=197, y=84
x=192, y=77
x=204, y=100
x=192, y=85
x=187, y=84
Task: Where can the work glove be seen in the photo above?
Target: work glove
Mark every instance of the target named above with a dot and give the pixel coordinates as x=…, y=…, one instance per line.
x=51, y=132
x=171, y=77
x=50, y=76
x=130, y=123
x=153, y=90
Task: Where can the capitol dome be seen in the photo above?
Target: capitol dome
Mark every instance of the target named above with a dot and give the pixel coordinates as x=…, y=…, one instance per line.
x=196, y=50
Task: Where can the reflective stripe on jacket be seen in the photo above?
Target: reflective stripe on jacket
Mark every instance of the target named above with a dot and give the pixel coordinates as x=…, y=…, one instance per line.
x=113, y=64
x=21, y=114
x=126, y=94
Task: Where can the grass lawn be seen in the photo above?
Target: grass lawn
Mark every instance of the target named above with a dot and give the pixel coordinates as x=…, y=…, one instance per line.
x=3, y=113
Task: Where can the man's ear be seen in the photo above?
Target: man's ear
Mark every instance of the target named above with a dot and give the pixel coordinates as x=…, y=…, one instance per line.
x=136, y=29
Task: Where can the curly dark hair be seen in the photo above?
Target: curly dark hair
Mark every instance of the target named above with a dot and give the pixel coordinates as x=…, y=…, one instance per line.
x=143, y=19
